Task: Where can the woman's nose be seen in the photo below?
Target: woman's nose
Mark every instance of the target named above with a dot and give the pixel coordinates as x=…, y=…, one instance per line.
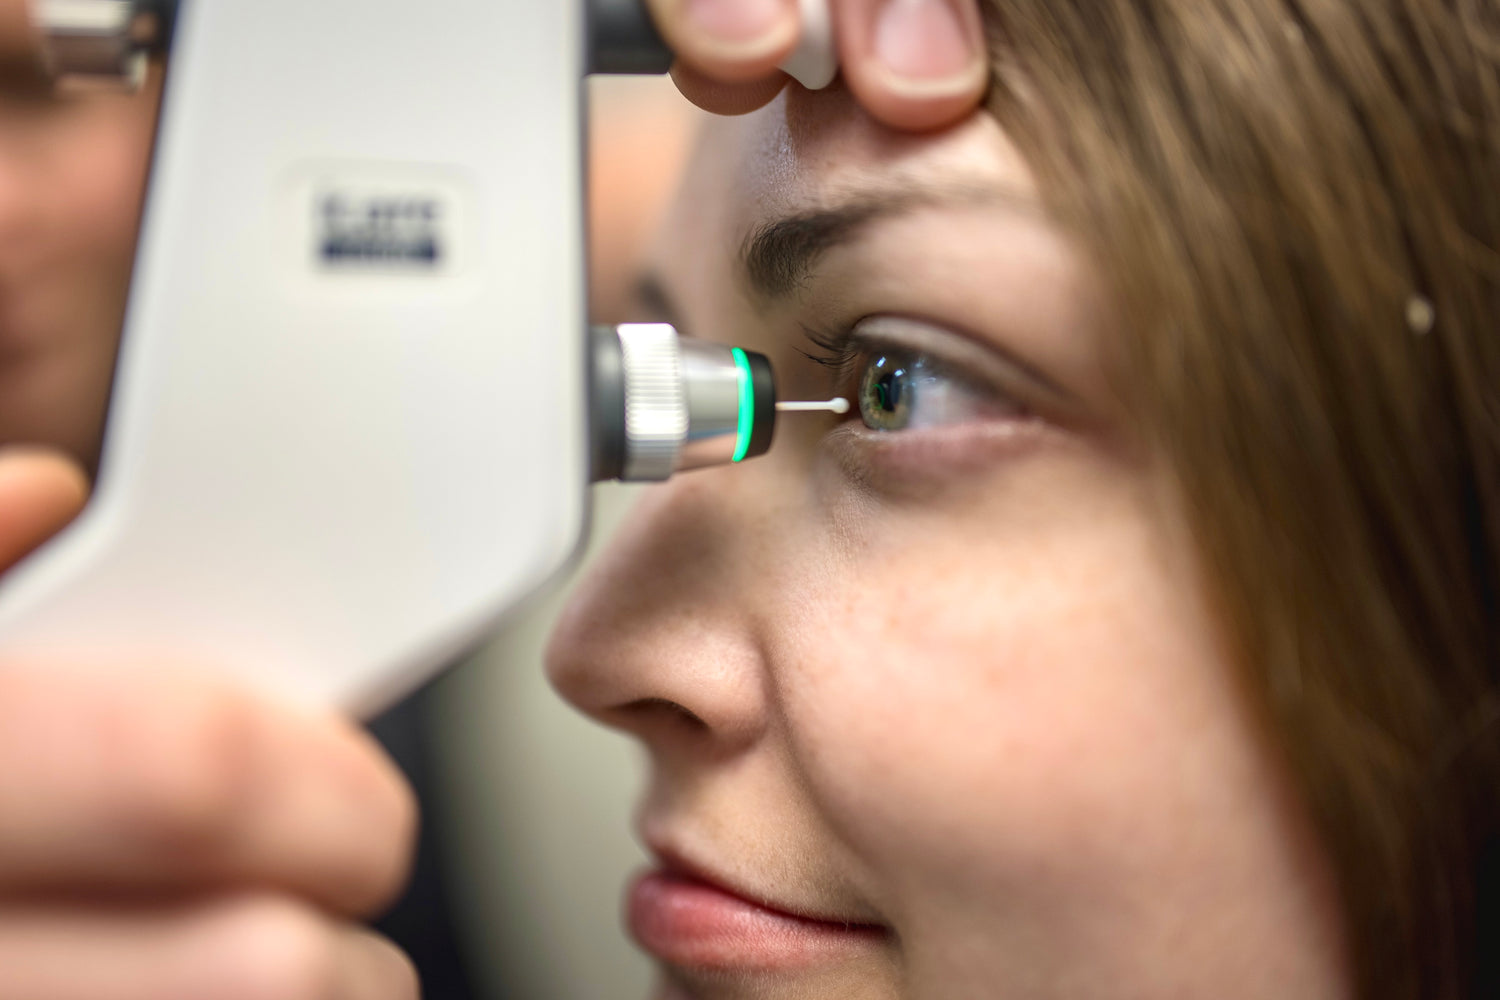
x=661, y=640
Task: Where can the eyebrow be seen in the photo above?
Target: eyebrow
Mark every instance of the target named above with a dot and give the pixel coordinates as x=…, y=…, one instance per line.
x=778, y=256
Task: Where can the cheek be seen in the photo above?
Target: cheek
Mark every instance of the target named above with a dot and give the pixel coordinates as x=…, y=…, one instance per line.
x=994, y=703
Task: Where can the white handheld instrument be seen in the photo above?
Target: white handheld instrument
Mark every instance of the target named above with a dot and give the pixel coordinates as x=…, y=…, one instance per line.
x=356, y=408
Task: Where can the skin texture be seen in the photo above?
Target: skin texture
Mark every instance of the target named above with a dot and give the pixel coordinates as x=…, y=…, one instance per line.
x=959, y=682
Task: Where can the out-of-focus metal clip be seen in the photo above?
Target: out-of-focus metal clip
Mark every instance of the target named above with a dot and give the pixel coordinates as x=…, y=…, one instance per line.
x=101, y=41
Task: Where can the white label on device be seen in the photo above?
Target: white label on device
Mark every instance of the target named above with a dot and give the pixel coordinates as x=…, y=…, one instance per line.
x=341, y=222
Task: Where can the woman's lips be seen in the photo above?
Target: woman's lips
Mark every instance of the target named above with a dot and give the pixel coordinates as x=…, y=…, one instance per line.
x=685, y=921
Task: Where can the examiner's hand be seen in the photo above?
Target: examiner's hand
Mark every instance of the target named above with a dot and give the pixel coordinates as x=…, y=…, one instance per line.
x=169, y=837
x=913, y=64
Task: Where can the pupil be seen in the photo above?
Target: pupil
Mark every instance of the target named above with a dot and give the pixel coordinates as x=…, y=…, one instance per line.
x=888, y=388
x=886, y=393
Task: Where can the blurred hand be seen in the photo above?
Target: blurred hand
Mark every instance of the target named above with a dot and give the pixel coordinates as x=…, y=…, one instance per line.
x=169, y=837
x=913, y=64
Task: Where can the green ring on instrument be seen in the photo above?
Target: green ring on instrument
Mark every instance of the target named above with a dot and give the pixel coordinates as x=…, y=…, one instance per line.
x=747, y=404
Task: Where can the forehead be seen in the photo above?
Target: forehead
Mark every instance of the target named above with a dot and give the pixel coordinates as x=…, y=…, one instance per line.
x=965, y=242
x=810, y=150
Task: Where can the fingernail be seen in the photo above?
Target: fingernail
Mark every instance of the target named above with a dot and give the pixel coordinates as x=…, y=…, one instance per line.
x=743, y=28
x=924, y=45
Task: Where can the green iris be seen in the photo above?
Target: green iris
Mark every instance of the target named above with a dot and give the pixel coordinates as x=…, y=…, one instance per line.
x=885, y=393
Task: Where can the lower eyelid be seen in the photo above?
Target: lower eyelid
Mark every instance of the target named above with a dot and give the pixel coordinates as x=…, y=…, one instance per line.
x=888, y=460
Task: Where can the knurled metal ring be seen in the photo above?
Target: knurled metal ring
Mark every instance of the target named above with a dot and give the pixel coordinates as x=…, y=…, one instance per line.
x=656, y=417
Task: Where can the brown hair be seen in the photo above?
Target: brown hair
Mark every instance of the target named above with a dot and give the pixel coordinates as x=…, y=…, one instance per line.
x=1296, y=204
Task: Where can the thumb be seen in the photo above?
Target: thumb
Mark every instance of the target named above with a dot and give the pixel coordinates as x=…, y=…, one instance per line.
x=40, y=492
x=731, y=41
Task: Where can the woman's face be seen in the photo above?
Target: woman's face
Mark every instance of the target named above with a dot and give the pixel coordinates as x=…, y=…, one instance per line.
x=934, y=702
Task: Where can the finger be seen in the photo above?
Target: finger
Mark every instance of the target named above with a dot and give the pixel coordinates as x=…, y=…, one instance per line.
x=913, y=64
x=252, y=948
x=40, y=491
x=734, y=41
x=726, y=98
x=131, y=781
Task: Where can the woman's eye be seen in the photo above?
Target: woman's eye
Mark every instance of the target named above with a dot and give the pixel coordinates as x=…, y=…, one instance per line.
x=906, y=390
x=885, y=393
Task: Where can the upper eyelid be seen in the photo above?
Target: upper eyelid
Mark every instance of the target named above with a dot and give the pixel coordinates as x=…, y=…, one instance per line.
x=835, y=349
x=965, y=356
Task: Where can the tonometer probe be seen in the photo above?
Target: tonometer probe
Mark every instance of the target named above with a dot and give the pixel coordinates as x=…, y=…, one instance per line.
x=661, y=404
x=357, y=405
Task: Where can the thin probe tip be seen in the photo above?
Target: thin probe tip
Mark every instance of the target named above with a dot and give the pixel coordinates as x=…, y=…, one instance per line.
x=839, y=405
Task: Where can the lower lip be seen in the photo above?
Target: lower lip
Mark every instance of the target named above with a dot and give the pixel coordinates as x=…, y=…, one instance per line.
x=692, y=924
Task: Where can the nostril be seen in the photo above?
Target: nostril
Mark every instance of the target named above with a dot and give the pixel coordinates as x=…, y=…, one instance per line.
x=655, y=642
x=645, y=712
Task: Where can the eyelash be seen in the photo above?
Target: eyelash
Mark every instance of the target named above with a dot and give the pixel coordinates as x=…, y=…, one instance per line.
x=847, y=356
x=833, y=348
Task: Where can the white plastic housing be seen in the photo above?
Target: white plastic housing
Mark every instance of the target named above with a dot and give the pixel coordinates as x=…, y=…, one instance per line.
x=348, y=422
